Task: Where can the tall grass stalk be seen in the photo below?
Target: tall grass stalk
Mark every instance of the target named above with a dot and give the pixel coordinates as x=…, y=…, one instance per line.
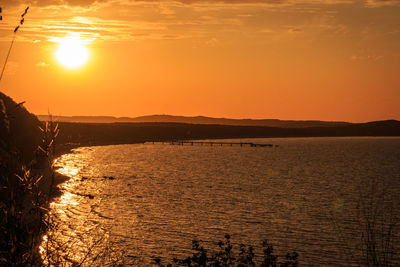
x=12, y=41
x=379, y=224
x=374, y=239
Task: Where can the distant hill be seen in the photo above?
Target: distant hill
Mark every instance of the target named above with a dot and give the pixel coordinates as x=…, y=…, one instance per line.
x=198, y=120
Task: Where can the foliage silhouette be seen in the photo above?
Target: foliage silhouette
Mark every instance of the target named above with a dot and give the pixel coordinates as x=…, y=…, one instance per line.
x=225, y=255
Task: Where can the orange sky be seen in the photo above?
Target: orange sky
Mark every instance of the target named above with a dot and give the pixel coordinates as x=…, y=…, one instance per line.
x=286, y=59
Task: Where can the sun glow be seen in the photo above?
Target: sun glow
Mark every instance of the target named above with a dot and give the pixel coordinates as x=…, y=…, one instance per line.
x=72, y=53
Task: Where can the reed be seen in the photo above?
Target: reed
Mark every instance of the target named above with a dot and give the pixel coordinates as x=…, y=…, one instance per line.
x=22, y=203
x=12, y=41
x=379, y=223
x=374, y=242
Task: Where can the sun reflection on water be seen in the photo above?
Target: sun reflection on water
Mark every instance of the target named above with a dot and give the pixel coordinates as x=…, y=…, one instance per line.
x=66, y=199
x=70, y=171
x=59, y=233
x=42, y=249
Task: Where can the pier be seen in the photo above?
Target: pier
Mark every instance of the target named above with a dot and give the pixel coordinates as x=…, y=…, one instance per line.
x=209, y=143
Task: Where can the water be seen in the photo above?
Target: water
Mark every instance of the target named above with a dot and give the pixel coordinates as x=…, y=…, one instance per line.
x=305, y=194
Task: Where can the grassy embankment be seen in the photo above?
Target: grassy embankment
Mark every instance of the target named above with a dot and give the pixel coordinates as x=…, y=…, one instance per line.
x=27, y=182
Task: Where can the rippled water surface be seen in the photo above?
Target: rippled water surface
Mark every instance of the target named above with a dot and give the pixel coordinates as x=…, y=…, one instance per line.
x=303, y=194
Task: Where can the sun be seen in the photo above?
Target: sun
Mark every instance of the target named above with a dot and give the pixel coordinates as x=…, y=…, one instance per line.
x=72, y=52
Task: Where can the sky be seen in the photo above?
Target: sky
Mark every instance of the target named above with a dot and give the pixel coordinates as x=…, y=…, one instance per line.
x=285, y=59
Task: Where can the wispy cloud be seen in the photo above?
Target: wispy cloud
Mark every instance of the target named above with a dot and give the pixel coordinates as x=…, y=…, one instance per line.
x=296, y=30
x=366, y=57
x=42, y=65
x=88, y=3
x=105, y=20
x=378, y=3
x=94, y=3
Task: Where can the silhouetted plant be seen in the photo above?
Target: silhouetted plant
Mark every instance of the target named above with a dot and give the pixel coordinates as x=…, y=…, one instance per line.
x=377, y=227
x=21, y=203
x=12, y=42
x=379, y=224
x=226, y=256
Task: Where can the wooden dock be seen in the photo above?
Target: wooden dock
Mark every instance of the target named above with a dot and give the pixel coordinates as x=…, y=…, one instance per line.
x=209, y=143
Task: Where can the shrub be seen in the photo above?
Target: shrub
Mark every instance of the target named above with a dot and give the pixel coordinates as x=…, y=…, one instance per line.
x=225, y=255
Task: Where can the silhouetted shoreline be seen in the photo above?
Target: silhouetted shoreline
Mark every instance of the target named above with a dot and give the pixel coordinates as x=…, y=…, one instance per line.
x=74, y=135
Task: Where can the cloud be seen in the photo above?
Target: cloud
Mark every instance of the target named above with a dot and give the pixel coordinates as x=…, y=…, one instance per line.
x=87, y=3
x=213, y=42
x=378, y=3
x=41, y=3
x=296, y=30
x=42, y=65
x=93, y=29
x=122, y=20
x=366, y=55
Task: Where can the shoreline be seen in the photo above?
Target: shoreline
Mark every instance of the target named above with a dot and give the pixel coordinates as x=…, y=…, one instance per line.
x=58, y=177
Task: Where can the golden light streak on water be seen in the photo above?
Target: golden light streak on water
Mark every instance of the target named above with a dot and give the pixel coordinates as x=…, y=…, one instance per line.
x=69, y=171
x=68, y=199
x=42, y=250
